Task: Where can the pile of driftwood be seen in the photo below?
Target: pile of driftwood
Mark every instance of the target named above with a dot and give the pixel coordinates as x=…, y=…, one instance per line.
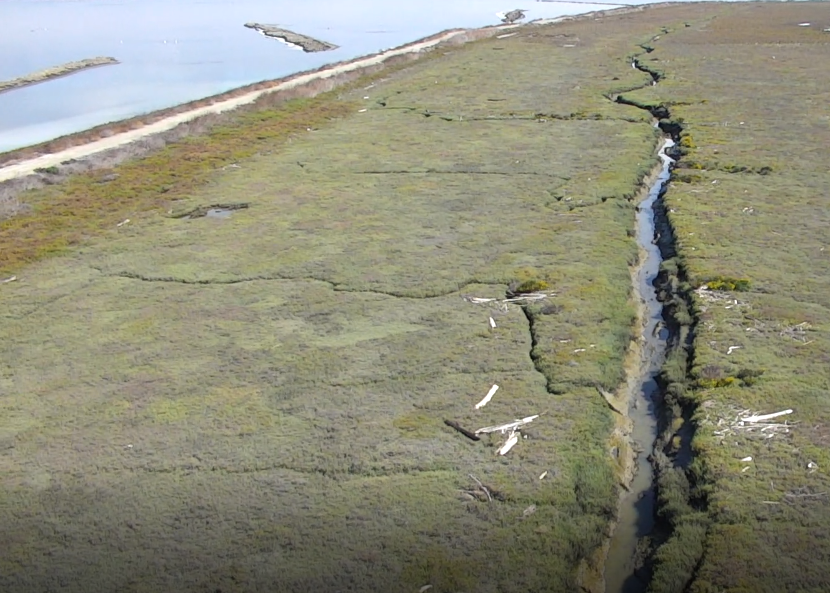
x=504, y=304
x=511, y=429
x=798, y=331
x=728, y=301
x=752, y=425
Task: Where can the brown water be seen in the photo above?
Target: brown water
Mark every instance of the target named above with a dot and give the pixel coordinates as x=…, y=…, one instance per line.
x=636, y=514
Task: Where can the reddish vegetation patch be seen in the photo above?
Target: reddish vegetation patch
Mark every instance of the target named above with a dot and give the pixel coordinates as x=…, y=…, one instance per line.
x=65, y=215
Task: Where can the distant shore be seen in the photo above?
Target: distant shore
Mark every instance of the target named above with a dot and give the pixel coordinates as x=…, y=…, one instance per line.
x=55, y=72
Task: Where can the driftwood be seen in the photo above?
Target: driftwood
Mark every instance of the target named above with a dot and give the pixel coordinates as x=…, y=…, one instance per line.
x=467, y=433
x=503, y=304
x=487, y=397
x=510, y=426
x=510, y=443
x=762, y=417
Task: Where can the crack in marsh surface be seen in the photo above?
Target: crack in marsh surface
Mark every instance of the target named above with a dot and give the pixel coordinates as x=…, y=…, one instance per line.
x=284, y=278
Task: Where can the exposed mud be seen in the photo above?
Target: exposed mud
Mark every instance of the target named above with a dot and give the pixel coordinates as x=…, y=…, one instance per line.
x=637, y=507
x=297, y=40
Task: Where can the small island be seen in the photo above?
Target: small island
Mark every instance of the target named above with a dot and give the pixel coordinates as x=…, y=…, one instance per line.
x=304, y=42
x=55, y=72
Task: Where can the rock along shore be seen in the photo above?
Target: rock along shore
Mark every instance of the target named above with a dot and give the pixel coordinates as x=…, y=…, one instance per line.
x=55, y=72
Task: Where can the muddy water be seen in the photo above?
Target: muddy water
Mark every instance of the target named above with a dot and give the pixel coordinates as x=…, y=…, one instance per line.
x=636, y=515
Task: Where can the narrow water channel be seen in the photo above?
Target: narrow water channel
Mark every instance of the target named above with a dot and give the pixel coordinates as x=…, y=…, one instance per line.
x=636, y=514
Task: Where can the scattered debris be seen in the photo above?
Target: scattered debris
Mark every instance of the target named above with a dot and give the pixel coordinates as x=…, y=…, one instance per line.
x=812, y=466
x=482, y=487
x=712, y=296
x=543, y=474
x=122, y=223
x=9, y=279
x=424, y=588
x=201, y=211
x=803, y=24
x=529, y=511
x=492, y=323
x=797, y=332
x=744, y=469
x=803, y=493
x=362, y=110
x=748, y=424
x=487, y=397
x=748, y=458
x=732, y=349
x=505, y=35
x=467, y=433
x=511, y=426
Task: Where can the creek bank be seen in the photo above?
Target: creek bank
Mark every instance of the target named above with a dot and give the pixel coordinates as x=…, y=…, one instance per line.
x=635, y=519
x=660, y=493
x=55, y=72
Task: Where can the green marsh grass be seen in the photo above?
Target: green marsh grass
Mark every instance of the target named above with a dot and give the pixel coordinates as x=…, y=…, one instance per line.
x=750, y=218
x=257, y=402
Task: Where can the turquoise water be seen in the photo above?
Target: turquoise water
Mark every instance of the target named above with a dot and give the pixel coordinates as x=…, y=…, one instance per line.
x=173, y=51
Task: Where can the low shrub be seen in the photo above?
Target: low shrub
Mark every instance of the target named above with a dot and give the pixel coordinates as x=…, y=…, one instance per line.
x=728, y=283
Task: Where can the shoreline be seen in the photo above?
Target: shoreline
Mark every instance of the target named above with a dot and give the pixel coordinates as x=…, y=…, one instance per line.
x=54, y=72
x=251, y=92
x=23, y=161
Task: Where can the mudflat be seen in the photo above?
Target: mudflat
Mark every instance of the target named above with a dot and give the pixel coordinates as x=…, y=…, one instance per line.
x=298, y=40
x=257, y=400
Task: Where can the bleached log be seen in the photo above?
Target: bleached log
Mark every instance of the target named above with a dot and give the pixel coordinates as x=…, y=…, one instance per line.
x=763, y=417
x=492, y=323
x=487, y=397
x=509, y=426
x=511, y=442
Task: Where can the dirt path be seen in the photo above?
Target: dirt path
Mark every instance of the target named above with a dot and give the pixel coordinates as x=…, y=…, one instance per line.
x=76, y=152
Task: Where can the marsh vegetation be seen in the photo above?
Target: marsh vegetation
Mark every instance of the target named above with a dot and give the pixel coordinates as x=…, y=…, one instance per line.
x=257, y=402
